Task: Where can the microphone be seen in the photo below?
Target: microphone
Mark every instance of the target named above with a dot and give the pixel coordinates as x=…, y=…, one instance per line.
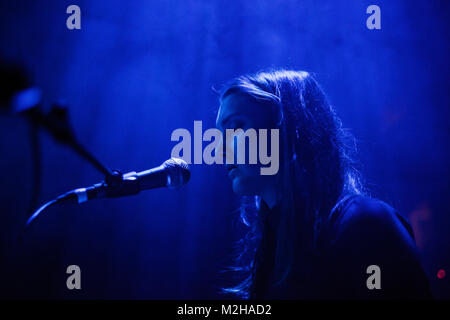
x=173, y=173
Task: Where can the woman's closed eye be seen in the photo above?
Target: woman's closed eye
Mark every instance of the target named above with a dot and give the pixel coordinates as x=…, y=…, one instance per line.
x=236, y=124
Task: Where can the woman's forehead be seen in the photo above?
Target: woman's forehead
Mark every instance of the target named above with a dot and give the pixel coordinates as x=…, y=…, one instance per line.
x=236, y=104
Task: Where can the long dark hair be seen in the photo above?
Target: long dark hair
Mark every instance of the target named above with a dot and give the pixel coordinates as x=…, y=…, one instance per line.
x=316, y=169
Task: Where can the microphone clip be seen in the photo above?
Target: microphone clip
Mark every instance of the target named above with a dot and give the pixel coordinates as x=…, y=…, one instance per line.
x=117, y=185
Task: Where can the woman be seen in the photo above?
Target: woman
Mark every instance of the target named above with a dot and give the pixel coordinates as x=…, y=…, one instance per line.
x=312, y=233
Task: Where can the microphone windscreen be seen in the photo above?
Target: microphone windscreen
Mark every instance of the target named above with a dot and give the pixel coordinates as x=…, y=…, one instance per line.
x=178, y=172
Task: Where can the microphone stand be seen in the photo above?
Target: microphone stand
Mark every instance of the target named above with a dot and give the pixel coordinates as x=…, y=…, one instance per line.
x=56, y=122
x=19, y=97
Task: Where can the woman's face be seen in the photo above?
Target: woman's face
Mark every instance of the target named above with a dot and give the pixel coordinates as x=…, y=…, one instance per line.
x=240, y=111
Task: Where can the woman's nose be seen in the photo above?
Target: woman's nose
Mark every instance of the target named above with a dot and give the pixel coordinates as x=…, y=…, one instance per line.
x=225, y=152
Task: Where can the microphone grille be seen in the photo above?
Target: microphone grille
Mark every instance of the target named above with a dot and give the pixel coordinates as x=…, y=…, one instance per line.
x=178, y=172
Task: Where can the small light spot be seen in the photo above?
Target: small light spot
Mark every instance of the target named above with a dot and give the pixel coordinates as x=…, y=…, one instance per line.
x=441, y=274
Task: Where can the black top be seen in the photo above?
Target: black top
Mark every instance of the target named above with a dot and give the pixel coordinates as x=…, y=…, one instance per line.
x=361, y=232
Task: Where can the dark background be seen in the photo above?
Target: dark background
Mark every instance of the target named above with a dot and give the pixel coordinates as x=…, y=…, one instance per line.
x=137, y=70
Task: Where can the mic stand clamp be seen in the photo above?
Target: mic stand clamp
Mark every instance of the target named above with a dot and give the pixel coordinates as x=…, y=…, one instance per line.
x=115, y=185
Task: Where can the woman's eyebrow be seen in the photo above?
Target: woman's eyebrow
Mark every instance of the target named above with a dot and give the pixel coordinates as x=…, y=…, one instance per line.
x=231, y=116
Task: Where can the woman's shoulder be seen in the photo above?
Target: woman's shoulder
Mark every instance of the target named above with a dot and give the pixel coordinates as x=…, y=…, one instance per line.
x=368, y=232
x=368, y=218
x=369, y=223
